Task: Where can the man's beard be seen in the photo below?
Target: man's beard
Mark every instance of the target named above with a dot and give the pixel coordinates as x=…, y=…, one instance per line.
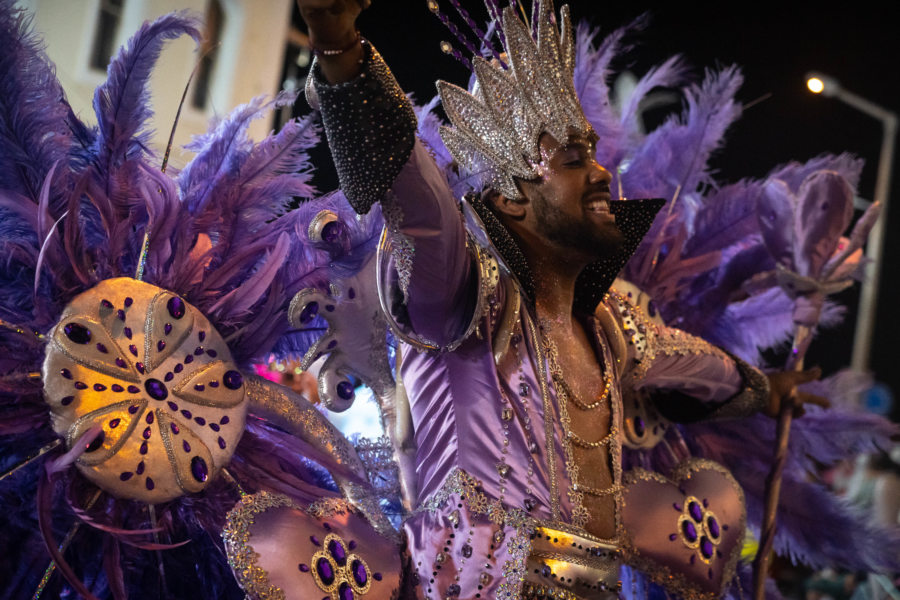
x=582, y=235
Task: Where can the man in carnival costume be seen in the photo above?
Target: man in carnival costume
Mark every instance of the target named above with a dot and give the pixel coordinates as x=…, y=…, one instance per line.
x=516, y=385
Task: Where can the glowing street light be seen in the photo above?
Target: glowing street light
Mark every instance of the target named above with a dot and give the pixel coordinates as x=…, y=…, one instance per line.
x=815, y=85
x=819, y=83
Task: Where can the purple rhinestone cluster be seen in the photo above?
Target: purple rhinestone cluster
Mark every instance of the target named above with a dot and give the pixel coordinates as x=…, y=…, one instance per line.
x=699, y=529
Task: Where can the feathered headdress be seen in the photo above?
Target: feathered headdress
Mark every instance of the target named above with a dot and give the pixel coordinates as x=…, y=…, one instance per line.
x=498, y=127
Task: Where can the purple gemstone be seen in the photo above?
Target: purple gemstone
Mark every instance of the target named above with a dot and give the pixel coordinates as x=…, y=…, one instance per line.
x=140, y=468
x=120, y=363
x=315, y=540
x=67, y=400
x=325, y=570
x=706, y=547
x=213, y=384
x=329, y=307
x=80, y=385
x=146, y=433
x=172, y=406
x=309, y=312
x=174, y=426
x=96, y=443
x=160, y=345
x=106, y=303
x=303, y=567
x=232, y=380
x=639, y=427
x=156, y=389
x=133, y=408
x=351, y=544
x=201, y=335
x=212, y=353
x=713, y=526
x=331, y=231
x=140, y=367
x=345, y=592
x=133, y=389
x=199, y=469
x=66, y=373
x=176, y=307
x=214, y=426
x=117, y=388
x=345, y=390
x=169, y=376
x=150, y=485
x=225, y=420
x=149, y=417
x=221, y=443
x=186, y=414
x=546, y=571
x=467, y=550
x=453, y=590
x=198, y=350
x=327, y=527
x=188, y=359
x=167, y=328
x=651, y=308
x=200, y=420
x=351, y=293
x=331, y=344
x=99, y=387
x=114, y=423
x=133, y=349
x=77, y=333
x=143, y=450
x=126, y=475
x=178, y=368
x=199, y=387
x=673, y=537
x=127, y=332
x=186, y=446
x=128, y=302
x=121, y=314
x=689, y=530
x=102, y=348
x=376, y=576
x=337, y=552
x=695, y=511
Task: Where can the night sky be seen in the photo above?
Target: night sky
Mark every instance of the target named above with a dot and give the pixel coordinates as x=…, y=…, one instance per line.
x=775, y=45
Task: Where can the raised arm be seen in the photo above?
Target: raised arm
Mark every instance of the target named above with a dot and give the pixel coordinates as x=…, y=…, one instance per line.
x=370, y=126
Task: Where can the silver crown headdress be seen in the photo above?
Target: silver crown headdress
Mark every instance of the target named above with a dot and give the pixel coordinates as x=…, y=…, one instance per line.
x=497, y=128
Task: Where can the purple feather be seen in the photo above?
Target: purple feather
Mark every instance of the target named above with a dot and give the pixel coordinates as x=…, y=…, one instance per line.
x=675, y=155
x=122, y=103
x=33, y=108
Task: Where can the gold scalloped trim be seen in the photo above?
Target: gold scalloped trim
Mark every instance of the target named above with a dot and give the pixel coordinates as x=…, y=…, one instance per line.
x=252, y=578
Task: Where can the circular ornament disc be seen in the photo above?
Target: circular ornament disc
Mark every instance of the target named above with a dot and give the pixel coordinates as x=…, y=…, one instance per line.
x=153, y=374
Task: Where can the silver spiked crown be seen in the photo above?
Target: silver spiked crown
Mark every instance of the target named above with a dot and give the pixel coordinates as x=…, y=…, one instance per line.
x=497, y=128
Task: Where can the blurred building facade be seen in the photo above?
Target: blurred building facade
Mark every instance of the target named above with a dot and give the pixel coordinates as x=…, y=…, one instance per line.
x=243, y=49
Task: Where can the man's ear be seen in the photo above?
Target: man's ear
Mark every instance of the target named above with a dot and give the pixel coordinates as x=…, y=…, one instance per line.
x=500, y=204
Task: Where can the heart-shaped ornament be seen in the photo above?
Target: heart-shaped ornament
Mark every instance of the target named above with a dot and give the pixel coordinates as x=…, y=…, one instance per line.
x=686, y=531
x=279, y=550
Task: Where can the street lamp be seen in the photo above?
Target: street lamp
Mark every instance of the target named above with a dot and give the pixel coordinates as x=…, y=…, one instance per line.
x=820, y=83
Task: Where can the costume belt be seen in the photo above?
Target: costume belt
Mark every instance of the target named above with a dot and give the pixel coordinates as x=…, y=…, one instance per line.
x=569, y=566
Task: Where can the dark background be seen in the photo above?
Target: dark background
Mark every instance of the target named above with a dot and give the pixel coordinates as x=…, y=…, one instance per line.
x=775, y=45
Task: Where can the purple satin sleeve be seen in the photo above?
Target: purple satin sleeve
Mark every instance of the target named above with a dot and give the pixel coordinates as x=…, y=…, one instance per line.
x=707, y=376
x=441, y=282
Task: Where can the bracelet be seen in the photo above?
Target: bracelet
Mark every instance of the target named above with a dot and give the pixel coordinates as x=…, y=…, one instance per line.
x=336, y=51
